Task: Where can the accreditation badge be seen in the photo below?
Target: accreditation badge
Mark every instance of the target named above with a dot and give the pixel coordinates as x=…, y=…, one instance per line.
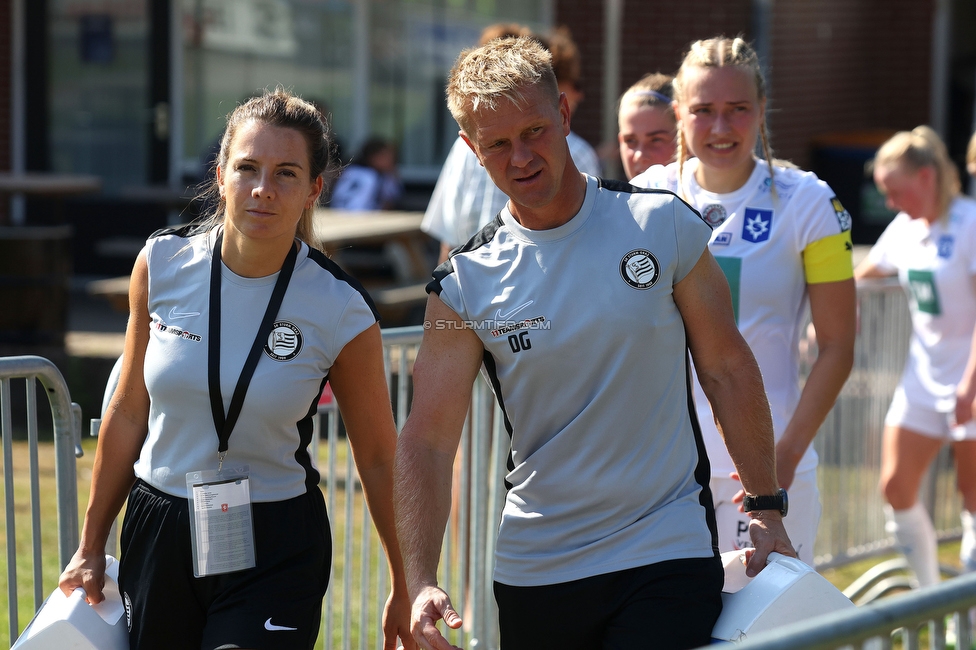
x=221, y=527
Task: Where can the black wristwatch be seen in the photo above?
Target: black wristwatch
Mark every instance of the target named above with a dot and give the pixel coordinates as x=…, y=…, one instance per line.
x=778, y=501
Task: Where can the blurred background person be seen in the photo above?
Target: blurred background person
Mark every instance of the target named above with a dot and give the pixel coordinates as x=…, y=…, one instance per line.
x=971, y=159
x=567, y=65
x=370, y=181
x=931, y=246
x=464, y=199
x=782, y=238
x=647, y=130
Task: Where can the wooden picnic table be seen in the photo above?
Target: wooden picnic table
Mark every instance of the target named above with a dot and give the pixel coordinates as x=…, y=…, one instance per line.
x=405, y=246
x=340, y=232
x=45, y=184
x=48, y=185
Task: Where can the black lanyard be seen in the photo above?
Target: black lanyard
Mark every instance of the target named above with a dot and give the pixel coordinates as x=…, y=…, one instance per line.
x=225, y=424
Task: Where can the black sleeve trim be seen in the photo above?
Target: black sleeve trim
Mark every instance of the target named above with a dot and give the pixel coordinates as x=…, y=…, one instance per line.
x=320, y=258
x=479, y=239
x=622, y=186
x=185, y=231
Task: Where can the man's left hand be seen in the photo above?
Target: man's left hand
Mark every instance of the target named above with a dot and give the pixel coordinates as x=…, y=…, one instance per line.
x=768, y=535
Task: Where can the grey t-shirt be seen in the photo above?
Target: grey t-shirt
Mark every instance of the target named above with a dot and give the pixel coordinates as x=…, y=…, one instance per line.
x=586, y=352
x=323, y=309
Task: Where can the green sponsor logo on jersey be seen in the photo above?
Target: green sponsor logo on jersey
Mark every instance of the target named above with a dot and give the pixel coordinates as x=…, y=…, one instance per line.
x=732, y=268
x=924, y=292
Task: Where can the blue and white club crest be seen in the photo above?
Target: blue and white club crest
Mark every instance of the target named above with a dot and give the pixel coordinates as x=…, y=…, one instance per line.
x=284, y=342
x=757, y=224
x=945, y=246
x=640, y=269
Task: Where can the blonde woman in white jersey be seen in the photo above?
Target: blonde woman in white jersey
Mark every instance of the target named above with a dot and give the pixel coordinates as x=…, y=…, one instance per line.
x=782, y=238
x=931, y=246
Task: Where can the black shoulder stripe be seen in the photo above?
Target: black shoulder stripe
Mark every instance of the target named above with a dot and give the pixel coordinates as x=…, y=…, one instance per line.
x=479, y=239
x=184, y=230
x=615, y=185
x=621, y=186
x=320, y=258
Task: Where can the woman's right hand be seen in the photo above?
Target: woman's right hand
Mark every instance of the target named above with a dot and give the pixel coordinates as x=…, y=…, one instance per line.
x=85, y=570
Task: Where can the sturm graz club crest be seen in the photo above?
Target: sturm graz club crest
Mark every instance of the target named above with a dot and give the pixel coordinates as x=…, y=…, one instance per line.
x=284, y=342
x=640, y=269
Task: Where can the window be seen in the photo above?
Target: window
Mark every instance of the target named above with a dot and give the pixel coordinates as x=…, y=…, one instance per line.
x=378, y=66
x=98, y=70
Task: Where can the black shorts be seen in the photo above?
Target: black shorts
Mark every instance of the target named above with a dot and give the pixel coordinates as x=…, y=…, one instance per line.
x=277, y=604
x=665, y=606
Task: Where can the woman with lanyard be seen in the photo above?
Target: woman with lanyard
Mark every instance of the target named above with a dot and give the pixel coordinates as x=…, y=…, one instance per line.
x=234, y=328
x=646, y=124
x=780, y=235
x=931, y=246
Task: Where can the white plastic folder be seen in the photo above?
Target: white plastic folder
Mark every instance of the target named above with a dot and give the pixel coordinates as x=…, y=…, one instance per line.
x=785, y=591
x=70, y=623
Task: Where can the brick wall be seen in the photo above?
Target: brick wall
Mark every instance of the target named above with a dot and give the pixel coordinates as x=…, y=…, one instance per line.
x=654, y=36
x=5, y=90
x=5, y=56
x=837, y=65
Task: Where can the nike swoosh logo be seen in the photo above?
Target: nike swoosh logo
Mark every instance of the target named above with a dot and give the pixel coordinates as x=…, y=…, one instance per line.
x=500, y=317
x=271, y=627
x=174, y=315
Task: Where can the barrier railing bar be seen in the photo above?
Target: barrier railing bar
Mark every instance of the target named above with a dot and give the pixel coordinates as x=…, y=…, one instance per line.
x=35, y=490
x=477, y=479
x=30, y=368
x=347, y=537
x=333, y=434
x=403, y=383
x=364, y=570
x=8, y=493
x=64, y=449
x=878, y=619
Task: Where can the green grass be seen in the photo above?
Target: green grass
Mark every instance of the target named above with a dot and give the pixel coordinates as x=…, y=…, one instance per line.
x=49, y=539
x=49, y=528
x=841, y=576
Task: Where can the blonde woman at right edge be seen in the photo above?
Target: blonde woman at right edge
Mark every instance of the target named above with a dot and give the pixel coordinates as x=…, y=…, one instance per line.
x=781, y=237
x=931, y=246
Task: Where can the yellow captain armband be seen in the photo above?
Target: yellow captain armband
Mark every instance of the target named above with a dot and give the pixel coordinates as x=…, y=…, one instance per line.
x=829, y=259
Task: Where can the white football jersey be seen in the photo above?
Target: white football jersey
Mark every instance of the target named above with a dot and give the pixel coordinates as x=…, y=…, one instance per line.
x=935, y=264
x=759, y=241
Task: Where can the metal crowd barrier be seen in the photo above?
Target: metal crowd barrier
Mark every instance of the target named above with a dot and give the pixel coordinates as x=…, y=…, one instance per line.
x=849, y=442
x=849, y=445
x=359, y=586
x=66, y=418
x=907, y=621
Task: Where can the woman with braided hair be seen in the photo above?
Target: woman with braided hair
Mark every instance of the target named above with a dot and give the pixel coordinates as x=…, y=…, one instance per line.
x=783, y=239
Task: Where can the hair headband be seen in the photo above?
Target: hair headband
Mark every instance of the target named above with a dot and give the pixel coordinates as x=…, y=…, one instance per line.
x=661, y=97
